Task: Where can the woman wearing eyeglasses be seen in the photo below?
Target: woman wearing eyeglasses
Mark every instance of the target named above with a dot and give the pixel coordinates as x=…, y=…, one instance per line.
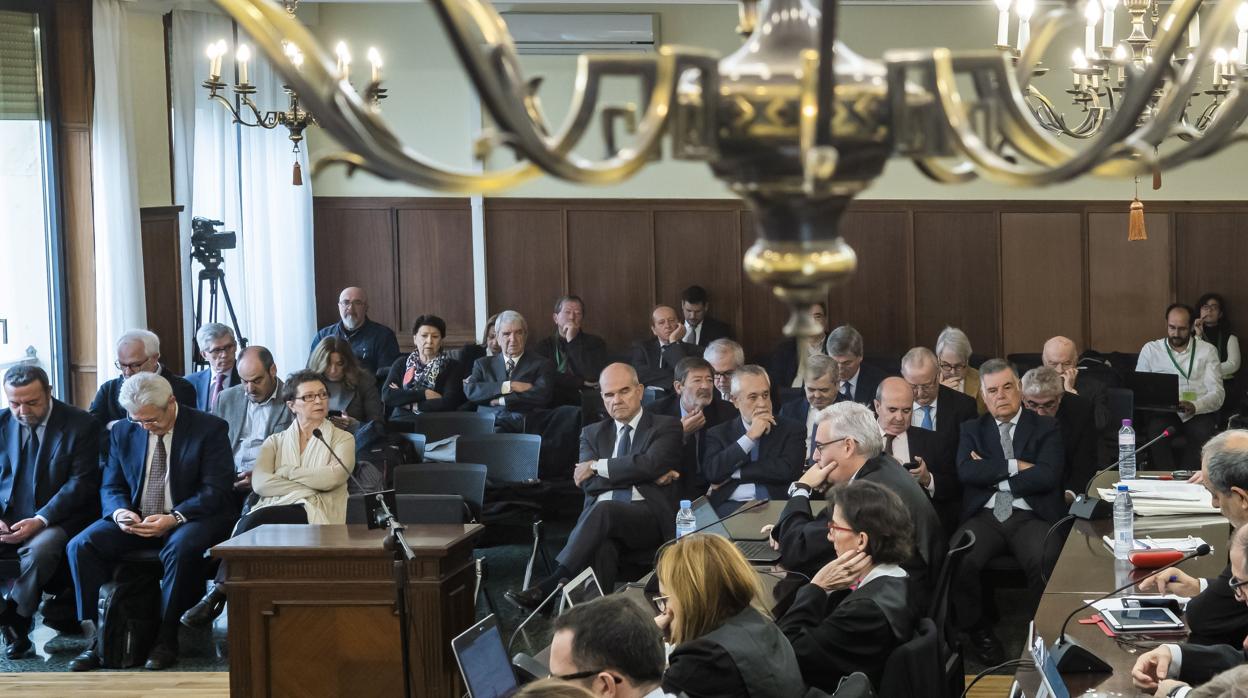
x=296, y=477
x=353, y=396
x=858, y=608
x=711, y=608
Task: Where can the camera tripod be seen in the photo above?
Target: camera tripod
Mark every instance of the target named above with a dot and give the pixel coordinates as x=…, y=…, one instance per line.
x=215, y=276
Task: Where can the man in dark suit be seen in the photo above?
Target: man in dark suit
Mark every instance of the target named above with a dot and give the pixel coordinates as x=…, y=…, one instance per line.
x=850, y=448
x=49, y=491
x=218, y=347
x=1062, y=355
x=1043, y=394
x=943, y=410
x=626, y=471
x=858, y=380
x=655, y=358
x=700, y=328
x=1010, y=462
x=916, y=448
x=1174, y=666
x=819, y=387
x=138, y=351
x=785, y=362
x=578, y=356
x=725, y=356
x=165, y=488
x=755, y=456
x=373, y=344
x=697, y=405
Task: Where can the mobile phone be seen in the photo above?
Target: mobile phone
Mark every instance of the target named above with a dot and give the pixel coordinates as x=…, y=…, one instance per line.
x=335, y=413
x=910, y=465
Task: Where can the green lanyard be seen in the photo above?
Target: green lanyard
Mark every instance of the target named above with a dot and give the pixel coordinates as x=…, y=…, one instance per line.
x=1191, y=360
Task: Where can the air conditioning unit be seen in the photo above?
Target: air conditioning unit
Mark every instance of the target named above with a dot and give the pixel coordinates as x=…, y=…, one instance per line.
x=570, y=34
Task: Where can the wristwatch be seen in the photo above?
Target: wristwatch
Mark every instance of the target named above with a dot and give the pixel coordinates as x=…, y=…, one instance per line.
x=177, y=515
x=800, y=488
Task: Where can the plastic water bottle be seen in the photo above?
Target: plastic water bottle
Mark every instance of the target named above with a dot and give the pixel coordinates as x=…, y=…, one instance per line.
x=1126, y=451
x=1124, y=524
x=686, y=523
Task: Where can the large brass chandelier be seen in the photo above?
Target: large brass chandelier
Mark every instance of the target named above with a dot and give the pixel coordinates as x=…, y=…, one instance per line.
x=1099, y=67
x=793, y=122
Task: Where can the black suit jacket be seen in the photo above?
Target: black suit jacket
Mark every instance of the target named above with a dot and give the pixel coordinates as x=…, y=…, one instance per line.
x=645, y=357
x=201, y=467
x=106, y=409
x=67, y=471
x=1077, y=419
x=655, y=449
x=202, y=382
x=803, y=537
x=953, y=408
x=449, y=384
x=582, y=360
x=1215, y=615
x=781, y=453
x=867, y=381
x=1203, y=662
x=489, y=374
x=834, y=635
x=692, y=484
x=798, y=410
x=1037, y=440
x=711, y=330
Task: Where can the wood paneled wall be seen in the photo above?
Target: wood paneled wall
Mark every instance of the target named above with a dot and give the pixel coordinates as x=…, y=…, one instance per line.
x=162, y=282
x=73, y=88
x=1011, y=274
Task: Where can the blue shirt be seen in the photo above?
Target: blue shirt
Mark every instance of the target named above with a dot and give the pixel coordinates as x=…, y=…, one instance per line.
x=374, y=344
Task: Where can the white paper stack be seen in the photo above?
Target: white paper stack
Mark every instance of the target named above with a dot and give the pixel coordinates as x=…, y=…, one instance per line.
x=1164, y=497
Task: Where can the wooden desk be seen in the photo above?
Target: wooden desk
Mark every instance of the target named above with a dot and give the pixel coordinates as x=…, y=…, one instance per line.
x=1087, y=569
x=311, y=610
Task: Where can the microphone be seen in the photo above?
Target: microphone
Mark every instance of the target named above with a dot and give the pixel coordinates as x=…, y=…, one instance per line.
x=516, y=633
x=1087, y=507
x=1071, y=657
x=316, y=434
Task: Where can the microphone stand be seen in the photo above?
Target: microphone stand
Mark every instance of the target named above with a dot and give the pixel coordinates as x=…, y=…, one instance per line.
x=1089, y=508
x=396, y=543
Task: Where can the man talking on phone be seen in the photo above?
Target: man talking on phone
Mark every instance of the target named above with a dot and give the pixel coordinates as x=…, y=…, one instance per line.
x=164, y=488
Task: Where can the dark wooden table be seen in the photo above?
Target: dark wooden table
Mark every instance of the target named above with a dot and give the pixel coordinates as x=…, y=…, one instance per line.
x=312, y=610
x=1087, y=569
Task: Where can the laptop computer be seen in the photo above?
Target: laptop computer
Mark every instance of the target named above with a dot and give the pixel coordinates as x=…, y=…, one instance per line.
x=1154, y=392
x=482, y=660
x=756, y=551
x=583, y=588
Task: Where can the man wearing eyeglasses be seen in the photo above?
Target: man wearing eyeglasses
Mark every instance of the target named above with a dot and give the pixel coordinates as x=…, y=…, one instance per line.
x=1214, y=615
x=219, y=348
x=1043, y=394
x=164, y=488
x=373, y=343
x=138, y=351
x=610, y=646
x=1172, y=669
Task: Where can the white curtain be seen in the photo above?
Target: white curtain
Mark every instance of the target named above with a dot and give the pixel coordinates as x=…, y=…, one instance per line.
x=242, y=177
x=119, y=297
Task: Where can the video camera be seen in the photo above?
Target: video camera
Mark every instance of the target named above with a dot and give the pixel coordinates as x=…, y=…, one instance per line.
x=207, y=242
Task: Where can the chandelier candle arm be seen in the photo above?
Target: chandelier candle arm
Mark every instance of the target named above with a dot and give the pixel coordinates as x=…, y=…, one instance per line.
x=1107, y=29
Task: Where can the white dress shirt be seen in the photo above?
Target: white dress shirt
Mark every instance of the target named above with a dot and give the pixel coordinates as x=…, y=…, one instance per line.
x=691, y=333
x=1004, y=485
x=254, y=430
x=1204, y=377
x=602, y=465
x=916, y=416
x=901, y=452
x=852, y=382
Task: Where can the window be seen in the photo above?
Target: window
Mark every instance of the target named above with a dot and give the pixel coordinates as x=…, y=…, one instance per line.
x=30, y=328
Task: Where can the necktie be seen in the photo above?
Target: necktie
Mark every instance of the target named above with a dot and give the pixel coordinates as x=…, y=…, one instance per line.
x=754, y=452
x=810, y=457
x=217, y=386
x=845, y=394
x=927, y=418
x=22, y=505
x=1004, y=504
x=623, y=445
x=888, y=444
x=511, y=366
x=154, y=489
x=693, y=334
x=661, y=345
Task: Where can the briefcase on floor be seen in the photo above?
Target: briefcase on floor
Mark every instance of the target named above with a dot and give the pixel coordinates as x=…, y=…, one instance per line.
x=129, y=616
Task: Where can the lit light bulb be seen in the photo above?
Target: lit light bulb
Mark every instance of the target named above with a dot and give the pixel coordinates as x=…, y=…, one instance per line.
x=374, y=59
x=1241, y=17
x=344, y=60
x=1024, y=8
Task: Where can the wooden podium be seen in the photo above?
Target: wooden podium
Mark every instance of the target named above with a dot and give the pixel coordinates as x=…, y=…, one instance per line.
x=312, y=610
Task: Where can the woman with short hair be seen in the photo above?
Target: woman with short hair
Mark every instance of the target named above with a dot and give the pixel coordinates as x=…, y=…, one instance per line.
x=428, y=379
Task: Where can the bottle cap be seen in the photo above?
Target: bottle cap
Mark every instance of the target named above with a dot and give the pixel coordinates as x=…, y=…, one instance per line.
x=1122, y=488
x=685, y=504
x=1126, y=422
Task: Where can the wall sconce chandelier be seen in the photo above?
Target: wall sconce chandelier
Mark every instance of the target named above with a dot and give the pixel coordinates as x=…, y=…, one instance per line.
x=295, y=118
x=793, y=122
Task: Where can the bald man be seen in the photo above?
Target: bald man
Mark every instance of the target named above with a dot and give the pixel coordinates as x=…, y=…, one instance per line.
x=626, y=471
x=374, y=344
x=1062, y=355
x=655, y=357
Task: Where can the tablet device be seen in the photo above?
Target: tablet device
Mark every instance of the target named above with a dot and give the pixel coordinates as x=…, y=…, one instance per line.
x=582, y=589
x=482, y=660
x=1142, y=619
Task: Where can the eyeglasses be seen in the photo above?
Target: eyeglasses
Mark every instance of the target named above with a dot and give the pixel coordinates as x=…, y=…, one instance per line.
x=1237, y=588
x=313, y=397
x=819, y=446
x=951, y=368
x=351, y=304
x=723, y=374
x=1036, y=406
x=133, y=366
x=585, y=675
x=660, y=603
x=842, y=529
x=145, y=422
x=222, y=351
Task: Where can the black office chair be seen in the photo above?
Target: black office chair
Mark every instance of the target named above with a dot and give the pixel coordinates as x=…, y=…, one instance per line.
x=464, y=479
x=1025, y=361
x=417, y=443
x=437, y=426
x=913, y=669
x=415, y=509
x=651, y=394
x=947, y=642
